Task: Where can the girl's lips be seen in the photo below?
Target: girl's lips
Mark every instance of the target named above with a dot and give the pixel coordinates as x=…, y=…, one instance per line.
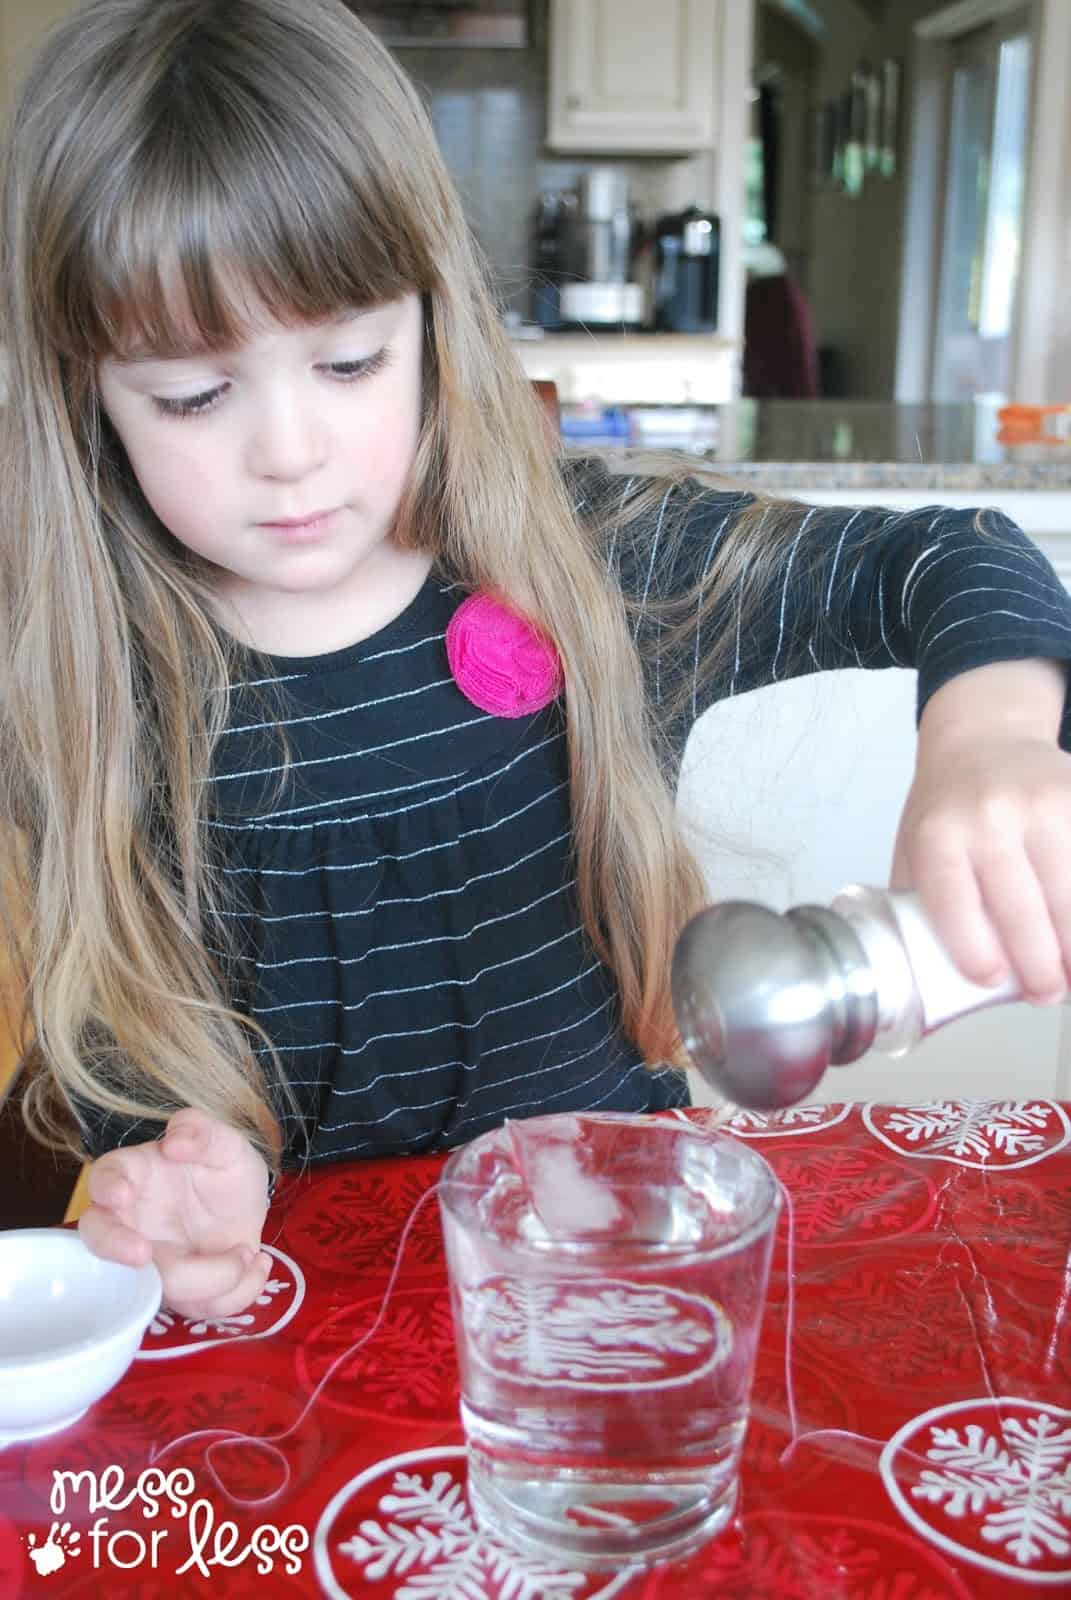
x=296, y=531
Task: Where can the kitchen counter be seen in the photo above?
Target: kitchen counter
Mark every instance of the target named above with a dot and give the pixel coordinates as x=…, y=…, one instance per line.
x=848, y=445
x=834, y=452
x=866, y=445
x=852, y=452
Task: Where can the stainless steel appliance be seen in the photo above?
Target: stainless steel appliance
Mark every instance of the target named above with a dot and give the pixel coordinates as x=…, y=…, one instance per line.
x=687, y=265
x=592, y=251
x=602, y=240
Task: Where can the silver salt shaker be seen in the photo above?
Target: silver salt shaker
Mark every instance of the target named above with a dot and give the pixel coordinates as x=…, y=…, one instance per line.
x=765, y=1001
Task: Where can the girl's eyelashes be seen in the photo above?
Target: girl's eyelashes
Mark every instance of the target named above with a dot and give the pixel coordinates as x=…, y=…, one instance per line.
x=198, y=405
x=364, y=368
x=194, y=405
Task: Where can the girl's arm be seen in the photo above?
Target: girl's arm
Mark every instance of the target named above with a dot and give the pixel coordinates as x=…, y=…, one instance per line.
x=969, y=602
x=846, y=587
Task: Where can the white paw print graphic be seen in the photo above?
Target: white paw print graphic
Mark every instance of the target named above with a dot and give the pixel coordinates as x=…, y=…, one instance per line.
x=52, y=1555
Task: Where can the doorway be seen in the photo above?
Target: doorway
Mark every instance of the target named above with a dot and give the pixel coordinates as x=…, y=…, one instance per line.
x=987, y=143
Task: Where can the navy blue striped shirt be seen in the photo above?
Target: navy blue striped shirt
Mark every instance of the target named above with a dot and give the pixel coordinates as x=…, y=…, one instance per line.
x=405, y=904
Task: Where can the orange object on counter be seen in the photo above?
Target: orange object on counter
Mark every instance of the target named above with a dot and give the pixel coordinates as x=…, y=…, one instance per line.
x=1034, y=424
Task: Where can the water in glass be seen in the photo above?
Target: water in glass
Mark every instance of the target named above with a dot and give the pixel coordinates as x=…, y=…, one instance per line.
x=608, y=1276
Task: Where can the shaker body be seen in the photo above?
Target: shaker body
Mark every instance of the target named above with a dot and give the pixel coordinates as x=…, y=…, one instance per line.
x=918, y=985
x=766, y=1001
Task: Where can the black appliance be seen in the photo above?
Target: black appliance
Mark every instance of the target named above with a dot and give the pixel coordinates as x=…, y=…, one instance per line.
x=687, y=262
x=551, y=226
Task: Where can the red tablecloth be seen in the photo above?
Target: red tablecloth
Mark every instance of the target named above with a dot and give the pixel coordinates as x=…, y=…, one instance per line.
x=932, y=1316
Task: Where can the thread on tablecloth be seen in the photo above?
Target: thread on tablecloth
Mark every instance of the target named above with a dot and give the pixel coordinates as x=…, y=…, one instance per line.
x=790, y=1325
x=224, y=1437
x=796, y=1438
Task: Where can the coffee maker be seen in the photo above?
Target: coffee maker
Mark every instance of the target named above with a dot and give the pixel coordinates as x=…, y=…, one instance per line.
x=583, y=253
x=687, y=263
x=550, y=232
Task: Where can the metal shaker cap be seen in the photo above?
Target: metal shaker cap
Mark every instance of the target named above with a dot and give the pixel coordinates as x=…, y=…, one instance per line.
x=765, y=1001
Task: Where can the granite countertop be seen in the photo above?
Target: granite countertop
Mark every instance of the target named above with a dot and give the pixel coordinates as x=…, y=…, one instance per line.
x=870, y=444
x=866, y=445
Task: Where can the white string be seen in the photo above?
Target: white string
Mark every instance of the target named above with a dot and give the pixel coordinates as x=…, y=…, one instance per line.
x=222, y=1437
x=796, y=1437
x=790, y=1326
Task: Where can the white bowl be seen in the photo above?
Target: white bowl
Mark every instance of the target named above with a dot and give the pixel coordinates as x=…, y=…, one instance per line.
x=70, y=1323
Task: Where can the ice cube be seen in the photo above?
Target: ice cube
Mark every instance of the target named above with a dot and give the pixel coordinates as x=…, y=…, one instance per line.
x=568, y=1200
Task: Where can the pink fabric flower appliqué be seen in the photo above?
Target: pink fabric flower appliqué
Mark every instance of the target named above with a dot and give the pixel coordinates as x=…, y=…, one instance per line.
x=499, y=661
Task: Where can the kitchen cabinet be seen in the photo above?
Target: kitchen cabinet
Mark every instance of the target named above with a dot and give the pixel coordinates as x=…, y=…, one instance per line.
x=658, y=369
x=629, y=75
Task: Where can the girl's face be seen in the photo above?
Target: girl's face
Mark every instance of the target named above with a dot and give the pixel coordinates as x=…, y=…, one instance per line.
x=283, y=462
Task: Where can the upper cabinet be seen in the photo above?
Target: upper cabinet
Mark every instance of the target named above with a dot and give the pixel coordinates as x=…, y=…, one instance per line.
x=632, y=75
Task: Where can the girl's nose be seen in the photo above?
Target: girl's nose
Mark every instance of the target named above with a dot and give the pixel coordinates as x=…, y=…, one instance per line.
x=288, y=441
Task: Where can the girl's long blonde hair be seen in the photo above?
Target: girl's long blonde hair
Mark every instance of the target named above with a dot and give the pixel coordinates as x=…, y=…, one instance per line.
x=163, y=147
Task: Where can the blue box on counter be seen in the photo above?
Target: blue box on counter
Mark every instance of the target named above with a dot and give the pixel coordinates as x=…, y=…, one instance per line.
x=612, y=423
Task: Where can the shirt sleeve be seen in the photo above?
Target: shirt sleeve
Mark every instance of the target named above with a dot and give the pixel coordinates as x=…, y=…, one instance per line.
x=939, y=590
x=103, y=1131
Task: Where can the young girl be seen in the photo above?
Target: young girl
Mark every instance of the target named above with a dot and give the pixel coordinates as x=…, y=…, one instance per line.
x=340, y=716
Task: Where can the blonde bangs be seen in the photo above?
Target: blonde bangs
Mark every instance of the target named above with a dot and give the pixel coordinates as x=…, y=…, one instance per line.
x=213, y=222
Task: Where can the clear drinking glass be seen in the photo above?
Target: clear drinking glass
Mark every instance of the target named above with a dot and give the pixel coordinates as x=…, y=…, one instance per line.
x=608, y=1276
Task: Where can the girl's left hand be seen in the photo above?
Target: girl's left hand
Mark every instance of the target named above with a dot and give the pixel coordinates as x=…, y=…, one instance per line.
x=985, y=840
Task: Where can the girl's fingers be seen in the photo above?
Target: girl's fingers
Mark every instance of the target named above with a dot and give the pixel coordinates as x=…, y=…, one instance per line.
x=103, y=1233
x=950, y=892
x=192, y=1135
x=1048, y=858
x=189, y=1135
x=1020, y=916
x=213, y=1286
x=227, y=1157
x=993, y=871
x=991, y=913
x=116, y=1179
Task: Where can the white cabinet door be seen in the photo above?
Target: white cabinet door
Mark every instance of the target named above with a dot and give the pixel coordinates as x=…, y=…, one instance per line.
x=632, y=75
x=620, y=370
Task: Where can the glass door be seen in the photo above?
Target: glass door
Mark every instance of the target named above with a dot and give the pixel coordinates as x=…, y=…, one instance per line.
x=985, y=186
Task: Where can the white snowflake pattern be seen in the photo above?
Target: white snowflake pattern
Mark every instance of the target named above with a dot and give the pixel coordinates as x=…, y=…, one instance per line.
x=792, y=1120
x=1020, y=1483
x=609, y=1335
x=989, y=1480
x=429, y=1532
x=165, y=1320
x=971, y=1132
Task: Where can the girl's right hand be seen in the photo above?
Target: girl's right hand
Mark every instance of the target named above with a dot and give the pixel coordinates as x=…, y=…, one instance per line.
x=194, y=1202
